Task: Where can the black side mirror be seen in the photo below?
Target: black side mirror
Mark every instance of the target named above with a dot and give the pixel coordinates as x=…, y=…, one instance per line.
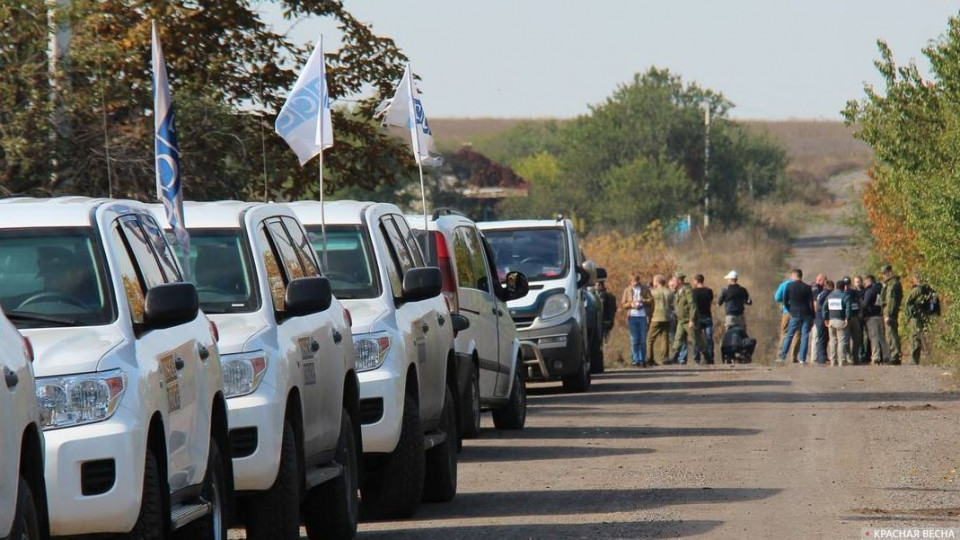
x=460, y=323
x=583, y=278
x=170, y=304
x=422, y=283
x=601, y=274
x=517, y=285
x=307, y=295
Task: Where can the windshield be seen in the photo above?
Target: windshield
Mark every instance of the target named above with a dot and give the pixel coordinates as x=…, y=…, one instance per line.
x=540, y=254
x=350, y=266
x=53, y=277
x=220, y=267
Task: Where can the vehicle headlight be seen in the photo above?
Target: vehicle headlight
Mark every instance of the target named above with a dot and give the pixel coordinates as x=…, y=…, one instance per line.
x=79, y=399
x=242, y=372
x=554, y=306
x=370, y=350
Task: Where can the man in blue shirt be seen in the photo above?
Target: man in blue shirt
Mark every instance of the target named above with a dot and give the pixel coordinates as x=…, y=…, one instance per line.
x=798, y=299
x=785, y=317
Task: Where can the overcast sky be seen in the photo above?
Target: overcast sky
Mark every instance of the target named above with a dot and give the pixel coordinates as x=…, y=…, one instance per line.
x=774, y=59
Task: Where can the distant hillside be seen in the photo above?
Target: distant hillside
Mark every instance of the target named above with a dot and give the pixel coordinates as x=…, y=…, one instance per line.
x=819, y=148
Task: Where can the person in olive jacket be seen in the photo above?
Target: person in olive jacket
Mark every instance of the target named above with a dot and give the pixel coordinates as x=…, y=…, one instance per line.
x=892, y=298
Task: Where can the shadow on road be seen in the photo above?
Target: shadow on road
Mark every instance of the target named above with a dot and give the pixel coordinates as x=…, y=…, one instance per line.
x=836, y=240
x=583, y=501
x=532, y=453
x=659, y=398
x=617, y=529
x=621, y=386
x=617, y=432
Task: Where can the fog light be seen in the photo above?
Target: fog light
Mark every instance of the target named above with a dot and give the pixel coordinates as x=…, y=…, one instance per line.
x=552, y=342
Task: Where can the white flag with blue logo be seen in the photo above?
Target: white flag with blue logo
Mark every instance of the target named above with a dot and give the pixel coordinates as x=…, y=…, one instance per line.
x=405, y=109
x=167, y=151
x=305, y=120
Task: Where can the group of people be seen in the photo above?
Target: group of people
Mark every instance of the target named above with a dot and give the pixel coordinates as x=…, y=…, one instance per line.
x=852, y=321
x=671, y=320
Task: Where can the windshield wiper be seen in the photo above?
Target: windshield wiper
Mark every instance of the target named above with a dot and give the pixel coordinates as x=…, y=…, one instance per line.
x=215, y=311
x=27, y=316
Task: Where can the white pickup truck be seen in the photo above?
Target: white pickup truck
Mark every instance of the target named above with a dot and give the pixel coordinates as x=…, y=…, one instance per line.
x=127, y=370
x=403, y=342
x=287, y=355
x=23, y=506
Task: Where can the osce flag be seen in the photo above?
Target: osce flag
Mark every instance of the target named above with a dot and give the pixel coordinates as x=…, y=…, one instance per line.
x=304, y=121
x=167, y=152
x=406, y=109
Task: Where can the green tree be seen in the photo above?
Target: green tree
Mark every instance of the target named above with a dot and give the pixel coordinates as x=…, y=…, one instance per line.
x=229, y=75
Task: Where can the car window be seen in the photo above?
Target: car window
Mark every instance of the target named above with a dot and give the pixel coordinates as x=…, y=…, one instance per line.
x=303, y=247
x=53, y=277
x=220, y=266
x=540, y=254
x=409, y=240
x=133, y=286
x=166, y=258
x=397, y=245
x=394, y=271
x=271, y=262
x=471, y=267
x=138, y=243
x=285, y=248
x=352, y=268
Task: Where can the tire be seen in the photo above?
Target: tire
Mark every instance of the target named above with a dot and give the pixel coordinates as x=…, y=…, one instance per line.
x=596, y=356
x=470, y=418
x=579, y=381
x=332, y=509
x=26, y=524
x=214, y=491
x=152, y=522
x=395, y=493
x=274, y=514
x=514, y=414
x=440, y=482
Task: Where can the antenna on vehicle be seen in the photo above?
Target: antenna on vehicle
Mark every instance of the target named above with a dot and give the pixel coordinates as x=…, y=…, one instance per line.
x=447, y=212
x=559, y=217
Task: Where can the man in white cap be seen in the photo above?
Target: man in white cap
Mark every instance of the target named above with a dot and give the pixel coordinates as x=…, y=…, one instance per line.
x=735, y=297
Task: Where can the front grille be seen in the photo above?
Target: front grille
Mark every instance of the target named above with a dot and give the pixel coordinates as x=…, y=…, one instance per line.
x=97, y=477
x=243, y=441
x=523, y=322
x=371, y=410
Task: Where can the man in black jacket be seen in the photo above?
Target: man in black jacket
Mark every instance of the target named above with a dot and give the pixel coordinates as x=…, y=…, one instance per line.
x=798, y=299
x=735, y=297
x=873, y=320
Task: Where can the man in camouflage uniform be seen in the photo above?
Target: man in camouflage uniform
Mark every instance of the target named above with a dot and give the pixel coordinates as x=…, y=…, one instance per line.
x=919, y=311
x=687, y=320
x=658, y=340
x=892, y=297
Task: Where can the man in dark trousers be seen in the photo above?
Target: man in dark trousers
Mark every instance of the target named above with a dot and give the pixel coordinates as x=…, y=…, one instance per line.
x=892, y=297
x=609, y=308
x=823, y=335
x=735, y=297
x=798, y=299
x=703, y=298
x=873, y=320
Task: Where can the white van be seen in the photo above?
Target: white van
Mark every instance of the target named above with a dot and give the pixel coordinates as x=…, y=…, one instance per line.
x=552, y=314
x=403, y=343
x=128, y=371
x=23, y=506
x=287, y=355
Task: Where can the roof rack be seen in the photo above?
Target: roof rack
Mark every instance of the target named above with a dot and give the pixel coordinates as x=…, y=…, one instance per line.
x=447, y=212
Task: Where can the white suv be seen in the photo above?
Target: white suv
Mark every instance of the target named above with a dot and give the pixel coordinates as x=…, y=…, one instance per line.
x=403, y=342
x=128, y=372
x=288, y=369
x=23, y=507
x=490, y=364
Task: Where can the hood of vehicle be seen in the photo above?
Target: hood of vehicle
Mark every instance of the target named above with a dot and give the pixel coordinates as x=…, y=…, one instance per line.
x=64, y=351
x=366, y=313
x=534, y=297
x=236, y=329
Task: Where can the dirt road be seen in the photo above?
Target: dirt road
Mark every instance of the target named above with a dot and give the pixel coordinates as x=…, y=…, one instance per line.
x=751, y=452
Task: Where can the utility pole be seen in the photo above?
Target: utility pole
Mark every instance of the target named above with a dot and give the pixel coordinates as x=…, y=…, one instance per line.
x=706, y=167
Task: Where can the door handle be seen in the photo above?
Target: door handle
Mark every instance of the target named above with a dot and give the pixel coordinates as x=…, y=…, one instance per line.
x=425, y=327
x=204, y=353
x=178, y=363
x=441, y=320
x=315, y=345
x=10, y=377
x=337, y=336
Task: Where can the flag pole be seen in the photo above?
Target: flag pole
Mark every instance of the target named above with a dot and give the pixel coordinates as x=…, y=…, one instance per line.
x=415, y=139
x=320, y=115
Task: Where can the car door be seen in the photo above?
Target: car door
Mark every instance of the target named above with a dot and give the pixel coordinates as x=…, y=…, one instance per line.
x=478, y=304
x=11, y=425
x=304, y=338
x=419, y=319
x=506, y=329
x=168, y=356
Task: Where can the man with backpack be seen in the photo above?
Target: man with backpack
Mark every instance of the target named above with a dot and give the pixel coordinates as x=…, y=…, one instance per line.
x=922, y=305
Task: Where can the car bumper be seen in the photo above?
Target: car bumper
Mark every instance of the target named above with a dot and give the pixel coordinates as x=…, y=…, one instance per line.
x=385, y=387
x=261, y=412
x=67, y=450
x=560, y=346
